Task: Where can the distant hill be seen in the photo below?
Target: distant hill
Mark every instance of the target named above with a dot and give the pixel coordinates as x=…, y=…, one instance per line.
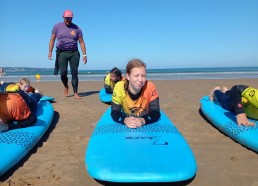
x=15, y=69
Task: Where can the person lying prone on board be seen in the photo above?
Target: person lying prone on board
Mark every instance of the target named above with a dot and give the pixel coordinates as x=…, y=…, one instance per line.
x=111, y=79
x=136, y=97
x=17, y=109
x=240, y=99
x=23, y=85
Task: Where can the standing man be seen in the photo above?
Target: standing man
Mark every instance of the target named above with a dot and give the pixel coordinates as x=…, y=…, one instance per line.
x=68, y=35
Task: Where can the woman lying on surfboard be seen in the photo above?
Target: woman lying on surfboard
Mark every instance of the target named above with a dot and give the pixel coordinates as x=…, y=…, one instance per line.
x=111, y=79
x=136, y=97
x=241, y=99
x=17, y=109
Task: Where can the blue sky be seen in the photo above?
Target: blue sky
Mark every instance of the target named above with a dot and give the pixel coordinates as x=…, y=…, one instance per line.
x=163, y=33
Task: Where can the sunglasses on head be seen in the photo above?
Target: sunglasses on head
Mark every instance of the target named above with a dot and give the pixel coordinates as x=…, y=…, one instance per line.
x=68, y=18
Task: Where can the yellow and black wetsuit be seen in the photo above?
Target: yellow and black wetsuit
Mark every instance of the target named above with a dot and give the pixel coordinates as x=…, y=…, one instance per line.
x=145, y=104
x=108, y=84
x=245, y=100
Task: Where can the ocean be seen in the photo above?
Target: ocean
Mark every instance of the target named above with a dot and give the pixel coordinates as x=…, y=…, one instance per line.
x=14, y=74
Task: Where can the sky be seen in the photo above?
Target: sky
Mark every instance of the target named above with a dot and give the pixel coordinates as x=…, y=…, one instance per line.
x=162, y=33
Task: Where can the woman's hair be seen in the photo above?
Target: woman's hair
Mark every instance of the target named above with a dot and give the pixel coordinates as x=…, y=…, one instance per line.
x=25, y=80
x=134, y=63
x=116, y=72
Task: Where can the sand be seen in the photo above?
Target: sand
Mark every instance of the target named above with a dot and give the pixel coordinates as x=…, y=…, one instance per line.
x=58, y=159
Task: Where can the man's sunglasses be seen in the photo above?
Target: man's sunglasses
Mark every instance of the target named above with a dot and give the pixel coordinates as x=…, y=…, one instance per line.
x=68, y=18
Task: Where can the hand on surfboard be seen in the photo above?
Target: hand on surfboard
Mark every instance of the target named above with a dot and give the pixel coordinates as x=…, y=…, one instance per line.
x=242, y=120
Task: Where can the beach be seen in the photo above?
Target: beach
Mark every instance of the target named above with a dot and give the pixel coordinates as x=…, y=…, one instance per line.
x=58, y=159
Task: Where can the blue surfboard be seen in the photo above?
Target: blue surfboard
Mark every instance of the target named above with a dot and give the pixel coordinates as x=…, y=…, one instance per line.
x=153, y=153
x=15, y=144
x=47, y=98
x=225, y=121
x=104, y=97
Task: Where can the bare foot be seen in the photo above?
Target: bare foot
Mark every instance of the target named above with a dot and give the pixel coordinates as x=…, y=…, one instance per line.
x=76, y=96
x=224, y=89
x=211, y=96
x=66, y=89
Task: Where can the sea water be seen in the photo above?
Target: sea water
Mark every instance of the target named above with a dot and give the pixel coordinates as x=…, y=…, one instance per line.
x=152, y=74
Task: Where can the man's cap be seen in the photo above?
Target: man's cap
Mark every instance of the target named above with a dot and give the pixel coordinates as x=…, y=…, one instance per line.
x=68, y=13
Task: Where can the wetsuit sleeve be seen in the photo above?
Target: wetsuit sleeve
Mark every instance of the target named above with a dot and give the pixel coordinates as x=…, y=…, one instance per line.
x=154, y=112
x=31, y=89
x=107, y=83
x=236, y=92
x=108, y=89
x=116, y=113
x=23, y=123
x=153, y=115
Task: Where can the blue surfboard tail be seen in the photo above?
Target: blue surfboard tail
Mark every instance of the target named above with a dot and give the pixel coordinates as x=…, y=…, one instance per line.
x=105, y=97
x=47, y=98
